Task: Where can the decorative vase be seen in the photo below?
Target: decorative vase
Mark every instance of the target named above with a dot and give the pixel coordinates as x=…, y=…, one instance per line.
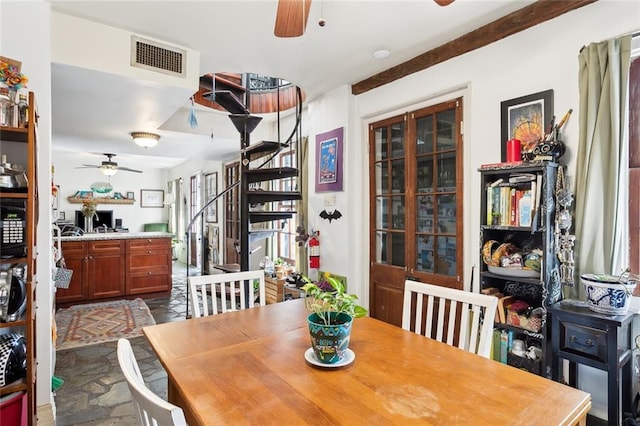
x=330, y=342
x=88, y=224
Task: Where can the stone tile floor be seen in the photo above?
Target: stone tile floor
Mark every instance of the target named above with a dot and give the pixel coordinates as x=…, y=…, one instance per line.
x=94, y=391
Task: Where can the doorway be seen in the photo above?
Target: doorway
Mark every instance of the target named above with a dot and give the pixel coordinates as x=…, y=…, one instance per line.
x=416, y=226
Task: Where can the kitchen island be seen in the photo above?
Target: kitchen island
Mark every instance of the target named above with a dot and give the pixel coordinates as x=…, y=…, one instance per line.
x=116, y=265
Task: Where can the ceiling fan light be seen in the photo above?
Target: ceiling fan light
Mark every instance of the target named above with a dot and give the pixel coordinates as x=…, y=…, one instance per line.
x=108, y=170
x=144, y=139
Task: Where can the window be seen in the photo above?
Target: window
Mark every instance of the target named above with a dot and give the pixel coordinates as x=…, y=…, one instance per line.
x=231, y=213
x=286, y=236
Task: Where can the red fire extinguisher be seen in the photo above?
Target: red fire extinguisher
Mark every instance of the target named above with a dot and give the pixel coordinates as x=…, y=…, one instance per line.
x=314, y=251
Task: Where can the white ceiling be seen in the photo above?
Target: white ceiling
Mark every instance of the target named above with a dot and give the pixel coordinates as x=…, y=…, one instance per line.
x=93, y=112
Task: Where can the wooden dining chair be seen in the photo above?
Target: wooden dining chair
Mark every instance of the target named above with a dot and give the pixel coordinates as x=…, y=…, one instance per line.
x=462, y=318
x=151, y=410
x=228, y=292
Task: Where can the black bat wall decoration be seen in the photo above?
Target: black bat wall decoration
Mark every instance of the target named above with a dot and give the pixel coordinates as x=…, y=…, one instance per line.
x=330, y=216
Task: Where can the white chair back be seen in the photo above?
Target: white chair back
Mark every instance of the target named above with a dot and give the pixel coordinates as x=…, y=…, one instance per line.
x=470, y=316
x=151, y=410
x=229, y=292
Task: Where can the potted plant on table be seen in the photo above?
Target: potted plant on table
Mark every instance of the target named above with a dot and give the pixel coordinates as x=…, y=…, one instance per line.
x=333, y=311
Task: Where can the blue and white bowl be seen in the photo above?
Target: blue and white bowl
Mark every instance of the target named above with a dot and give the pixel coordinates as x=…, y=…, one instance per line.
x=607, y=294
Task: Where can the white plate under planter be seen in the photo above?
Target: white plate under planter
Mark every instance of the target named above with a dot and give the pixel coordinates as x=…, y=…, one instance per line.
x=311, y=358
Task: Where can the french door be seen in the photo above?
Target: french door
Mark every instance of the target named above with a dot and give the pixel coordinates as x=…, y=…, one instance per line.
x=416, y=224
x=232, y=214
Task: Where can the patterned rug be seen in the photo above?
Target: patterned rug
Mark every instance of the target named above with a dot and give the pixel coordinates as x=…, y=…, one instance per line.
x=82, y=325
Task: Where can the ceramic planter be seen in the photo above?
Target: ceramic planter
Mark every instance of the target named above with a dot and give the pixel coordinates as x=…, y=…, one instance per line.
x=330, y=342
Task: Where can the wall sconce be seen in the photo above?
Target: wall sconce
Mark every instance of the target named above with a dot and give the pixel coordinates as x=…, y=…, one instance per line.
x=144, y=139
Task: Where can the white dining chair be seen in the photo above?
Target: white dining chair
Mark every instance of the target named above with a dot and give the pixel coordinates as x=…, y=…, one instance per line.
x=228, y=292
x=468, y=324
x=151, y=410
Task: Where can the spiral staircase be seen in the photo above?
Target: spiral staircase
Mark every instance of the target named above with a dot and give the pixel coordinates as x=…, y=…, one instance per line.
x=235, y=93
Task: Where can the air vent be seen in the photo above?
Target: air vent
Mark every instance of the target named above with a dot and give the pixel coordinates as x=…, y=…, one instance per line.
x=158, y=57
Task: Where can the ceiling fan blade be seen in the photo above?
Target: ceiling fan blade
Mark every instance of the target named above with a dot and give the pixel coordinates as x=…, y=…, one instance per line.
x=291, y=18
x=88, y=166
x=126, y=169
x=443, y=2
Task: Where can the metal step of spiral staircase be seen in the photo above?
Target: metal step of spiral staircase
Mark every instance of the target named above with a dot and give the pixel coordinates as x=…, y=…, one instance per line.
x=231, y=96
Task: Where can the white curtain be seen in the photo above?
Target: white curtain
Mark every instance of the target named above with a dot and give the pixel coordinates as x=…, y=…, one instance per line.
x=601, y=214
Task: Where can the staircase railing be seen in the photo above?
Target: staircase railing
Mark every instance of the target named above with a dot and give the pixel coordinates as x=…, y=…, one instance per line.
x=200, y=215
x=244, y=238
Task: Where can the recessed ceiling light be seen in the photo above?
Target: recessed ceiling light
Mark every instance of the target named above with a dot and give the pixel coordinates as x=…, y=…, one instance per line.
x=381, y=54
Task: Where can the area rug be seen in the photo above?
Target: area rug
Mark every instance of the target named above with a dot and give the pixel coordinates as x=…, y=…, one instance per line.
x=82, y=325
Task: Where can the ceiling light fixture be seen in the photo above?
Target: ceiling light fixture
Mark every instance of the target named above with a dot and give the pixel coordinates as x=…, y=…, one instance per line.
x=108, y=169
x=144, y=139
x=381, y=54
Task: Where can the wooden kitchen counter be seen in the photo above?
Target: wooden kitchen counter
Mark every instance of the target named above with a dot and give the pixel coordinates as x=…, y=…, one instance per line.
x=116, y=265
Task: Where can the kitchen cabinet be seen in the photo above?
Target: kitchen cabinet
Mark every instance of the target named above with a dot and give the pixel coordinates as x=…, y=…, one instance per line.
x=109, y=266
x=98, y=270
x=19, y=222
x=149, y=265
x=502, y=186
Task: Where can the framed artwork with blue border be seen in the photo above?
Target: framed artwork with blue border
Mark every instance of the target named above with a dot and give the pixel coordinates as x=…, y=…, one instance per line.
x=329, y=173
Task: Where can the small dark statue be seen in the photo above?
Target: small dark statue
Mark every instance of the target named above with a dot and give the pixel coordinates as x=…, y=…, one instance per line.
x=546, y=151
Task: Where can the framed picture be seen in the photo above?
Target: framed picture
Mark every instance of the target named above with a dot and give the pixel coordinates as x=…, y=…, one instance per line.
x=211, y=190
x=525, y=118
x=131, y=195
x=329, y=161
x=151, y=197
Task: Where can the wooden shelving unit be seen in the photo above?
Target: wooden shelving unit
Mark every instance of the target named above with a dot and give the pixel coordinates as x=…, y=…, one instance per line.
x=99, y=200
x=21, y=143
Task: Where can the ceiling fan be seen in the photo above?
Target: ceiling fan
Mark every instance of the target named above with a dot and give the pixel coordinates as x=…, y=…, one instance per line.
x=292, y=16
x=108, y=168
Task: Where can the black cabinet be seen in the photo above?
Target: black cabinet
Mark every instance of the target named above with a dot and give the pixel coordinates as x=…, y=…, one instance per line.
x=517, y=219
x=582, y=336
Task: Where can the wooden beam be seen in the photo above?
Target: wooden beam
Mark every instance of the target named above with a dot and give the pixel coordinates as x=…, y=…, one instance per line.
x=520, y=20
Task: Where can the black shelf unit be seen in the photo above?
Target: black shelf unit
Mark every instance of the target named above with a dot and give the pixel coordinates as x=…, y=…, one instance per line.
x=542, y=291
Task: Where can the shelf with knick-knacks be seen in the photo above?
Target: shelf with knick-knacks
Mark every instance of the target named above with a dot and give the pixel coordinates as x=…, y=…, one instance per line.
x=117, y=198
x=100, y=200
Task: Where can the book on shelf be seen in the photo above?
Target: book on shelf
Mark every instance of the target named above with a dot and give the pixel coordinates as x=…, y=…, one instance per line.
x=505, y=202
x=503, y=305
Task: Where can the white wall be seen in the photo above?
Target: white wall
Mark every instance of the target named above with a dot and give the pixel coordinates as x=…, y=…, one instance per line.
x=34, y=53
x=541, y=58
x=71, y=179
x=103, y=51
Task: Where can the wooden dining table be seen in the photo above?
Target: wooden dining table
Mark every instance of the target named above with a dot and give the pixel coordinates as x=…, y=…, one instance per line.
x=248, y=367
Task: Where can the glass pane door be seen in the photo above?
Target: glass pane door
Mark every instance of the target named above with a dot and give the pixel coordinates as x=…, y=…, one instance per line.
x=435, y=192
x=390, y=197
